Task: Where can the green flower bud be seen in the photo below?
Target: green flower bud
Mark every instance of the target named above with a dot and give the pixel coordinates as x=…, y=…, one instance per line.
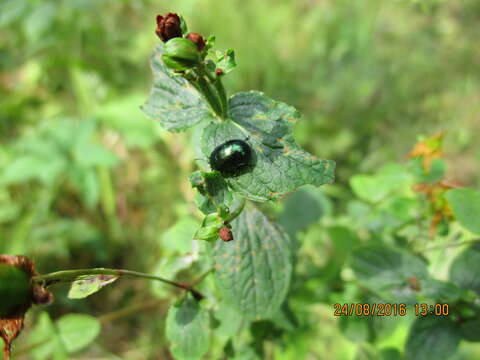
x=15, y=290
x=211, y=225
x=180, y=54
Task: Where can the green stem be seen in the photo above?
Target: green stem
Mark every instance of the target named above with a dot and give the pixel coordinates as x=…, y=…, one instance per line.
x=217, y=82
x=223, y=96
x=201, y=277
x=236, y=211
x=210, y=95
x=72, y=275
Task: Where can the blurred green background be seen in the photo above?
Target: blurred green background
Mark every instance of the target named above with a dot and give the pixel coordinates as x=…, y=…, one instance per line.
x=87, y=180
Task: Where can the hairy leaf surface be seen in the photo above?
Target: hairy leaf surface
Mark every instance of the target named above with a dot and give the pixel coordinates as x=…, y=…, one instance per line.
x=253, y=271
x=173, y=101
x=465, y=204
x=279, y=165
x=188, y=328
x=432, y=337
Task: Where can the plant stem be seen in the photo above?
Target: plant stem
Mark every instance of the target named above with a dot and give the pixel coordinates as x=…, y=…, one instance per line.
x=210, y=95
x=217, y=82
x=201, y=277
x=237, y=210
x=222, y=94
x=72, y=275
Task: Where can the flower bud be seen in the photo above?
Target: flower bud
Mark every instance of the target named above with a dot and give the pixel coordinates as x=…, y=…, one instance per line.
x=225, y=233
x=197, y=39
x=180, y=54
x=15, y=290
x=17, y=293
x=168, y=27
x=211, y=225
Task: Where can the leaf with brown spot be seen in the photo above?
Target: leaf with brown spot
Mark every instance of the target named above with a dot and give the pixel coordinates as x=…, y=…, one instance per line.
x=254, y=279
x=188, y=329
x=88, y=285
x=279, y=165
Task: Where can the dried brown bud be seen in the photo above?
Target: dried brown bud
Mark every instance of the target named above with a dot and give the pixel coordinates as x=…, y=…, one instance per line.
x=197, y=39
x=414, y=284
x=225, y=234
x=168, y=27
x=17, y=293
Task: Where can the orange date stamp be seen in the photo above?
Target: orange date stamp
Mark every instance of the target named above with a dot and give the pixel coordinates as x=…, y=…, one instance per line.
x=388, y=309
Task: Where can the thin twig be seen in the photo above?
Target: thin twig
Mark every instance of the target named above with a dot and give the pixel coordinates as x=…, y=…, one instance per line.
x=201, y=277
x=72, y=275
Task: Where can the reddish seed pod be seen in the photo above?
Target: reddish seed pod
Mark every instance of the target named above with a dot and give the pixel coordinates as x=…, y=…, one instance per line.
x=168, y=27
x=225, y=234
x=197, y=39
x=414, y=284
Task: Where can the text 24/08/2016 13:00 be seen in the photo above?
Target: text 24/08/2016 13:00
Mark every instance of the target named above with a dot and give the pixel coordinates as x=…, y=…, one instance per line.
x=387, y=309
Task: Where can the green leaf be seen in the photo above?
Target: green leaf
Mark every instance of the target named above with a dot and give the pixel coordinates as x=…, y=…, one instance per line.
x=303, y=208
x=45, y=340
x=86, y=181
x=89, y=285
x=432, y=337
x=69, y=334
x=357, y=328
x=213, y=190
x=12, y=10
x=388, y=271
x=343, y=240
x=173, y=101
x=465, y=269
x=90, y=154
x=230, y=321
x=285, y=318
x=440, y=291
x=366, y=351
x=121, y=114
x=225, y=60
x=390, y=353
x=465, y=204
x=253, y=271
x=279, y=164
x=77, y=331
x=247, y=352
x=179, y=237
x=29, y=167
x=427, y=176
x=373, y=188
x=39, y=19
x=188, y=329
x=469, y=328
